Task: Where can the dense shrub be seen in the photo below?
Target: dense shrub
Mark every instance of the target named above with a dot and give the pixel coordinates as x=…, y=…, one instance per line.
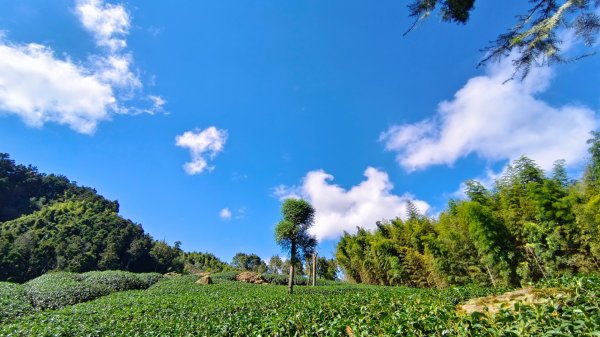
x=281, y=279
x=13, y=301
x=115, y=280
x=59, y=289
x=223, y=276
x=149, y=279
x=56, y=290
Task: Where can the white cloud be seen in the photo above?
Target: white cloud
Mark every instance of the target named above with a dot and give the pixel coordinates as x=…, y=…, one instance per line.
x=157, y=102
x=496, y=121
x=115, y=70
x=107, y=22
x=203, y=145
x=40, y=87
x=338, y=210
x=225, y=214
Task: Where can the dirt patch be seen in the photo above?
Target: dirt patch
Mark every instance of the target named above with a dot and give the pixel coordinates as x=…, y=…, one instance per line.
x=528, y=296
x=250, y=277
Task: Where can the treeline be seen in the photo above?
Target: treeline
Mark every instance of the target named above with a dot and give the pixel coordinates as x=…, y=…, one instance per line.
x=529, y=226
x=327, y=269
x=48, y=222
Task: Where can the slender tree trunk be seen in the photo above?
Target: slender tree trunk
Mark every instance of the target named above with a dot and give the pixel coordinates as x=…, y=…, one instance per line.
x=491, y=276
x=291, y=279
x=309, y=270
x=292, y=265
x=532, y=251
x=314, y=269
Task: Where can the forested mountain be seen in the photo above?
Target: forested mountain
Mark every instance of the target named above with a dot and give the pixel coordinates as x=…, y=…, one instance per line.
x=50, y=223
x=529, y=226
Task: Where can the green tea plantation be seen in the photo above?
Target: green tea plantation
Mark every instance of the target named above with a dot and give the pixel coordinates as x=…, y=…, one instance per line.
x=177, y=306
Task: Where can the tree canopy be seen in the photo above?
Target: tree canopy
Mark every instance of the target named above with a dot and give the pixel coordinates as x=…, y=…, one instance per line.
x=534, y=40
x=49, y=223
x=291, y=233
x=530, y=225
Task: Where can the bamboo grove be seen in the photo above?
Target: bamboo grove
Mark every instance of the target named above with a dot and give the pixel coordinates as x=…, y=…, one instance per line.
x=531, y=225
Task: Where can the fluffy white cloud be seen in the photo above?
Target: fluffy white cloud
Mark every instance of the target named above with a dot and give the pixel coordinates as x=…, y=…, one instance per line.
x=107, y=22
x=225, y=214
x=40, y=87
x=338, y=210
x=496, y=121
x=203, y=145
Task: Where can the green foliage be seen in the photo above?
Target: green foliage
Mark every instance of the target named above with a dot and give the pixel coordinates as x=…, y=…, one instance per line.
x=196, y=262
x=534, y=40
x=52, y=224
x=395, y=254
x=223, y=276
x=249, y=262
x=528, y=227
x=291, y=233
x=327, y=269
x=56, y=290
x=13, y=301
x=275, y=265
x=178, y=307
x=59, y=289
x=24, y=190
x=116, y=280
x=283, y=279
x=166, y=258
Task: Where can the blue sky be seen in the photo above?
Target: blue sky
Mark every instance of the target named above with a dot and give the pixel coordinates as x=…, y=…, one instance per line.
x=324, y=100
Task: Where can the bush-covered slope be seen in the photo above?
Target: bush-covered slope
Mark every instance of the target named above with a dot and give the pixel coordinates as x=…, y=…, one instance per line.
x=50, y=223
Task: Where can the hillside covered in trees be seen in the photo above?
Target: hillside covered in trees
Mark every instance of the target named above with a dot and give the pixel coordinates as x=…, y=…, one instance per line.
x=530, y=225
x=48, y=222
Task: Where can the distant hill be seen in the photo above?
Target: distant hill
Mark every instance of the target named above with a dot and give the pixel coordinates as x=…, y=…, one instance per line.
x=48, y=222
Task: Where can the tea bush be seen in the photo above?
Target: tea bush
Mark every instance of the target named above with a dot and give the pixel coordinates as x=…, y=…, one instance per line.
x=281, y=279
x=59, y=289
x=13, y=301
x=223, y=276
x=179, y=307
x=117, y=280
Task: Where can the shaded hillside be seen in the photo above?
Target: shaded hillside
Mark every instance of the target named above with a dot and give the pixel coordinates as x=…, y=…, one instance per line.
x=24, y=190
x=50, y=223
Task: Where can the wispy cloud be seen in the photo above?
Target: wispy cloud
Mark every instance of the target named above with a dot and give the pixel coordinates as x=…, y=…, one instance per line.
x=339, y=210
x=40, y=87
x=203, y=145
x=109, y=23
x=497, y=121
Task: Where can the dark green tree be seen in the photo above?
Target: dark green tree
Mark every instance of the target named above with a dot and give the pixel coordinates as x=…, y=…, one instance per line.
x=248, y=262
x=327, y=268
x=275, y=265
x=291, y=233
